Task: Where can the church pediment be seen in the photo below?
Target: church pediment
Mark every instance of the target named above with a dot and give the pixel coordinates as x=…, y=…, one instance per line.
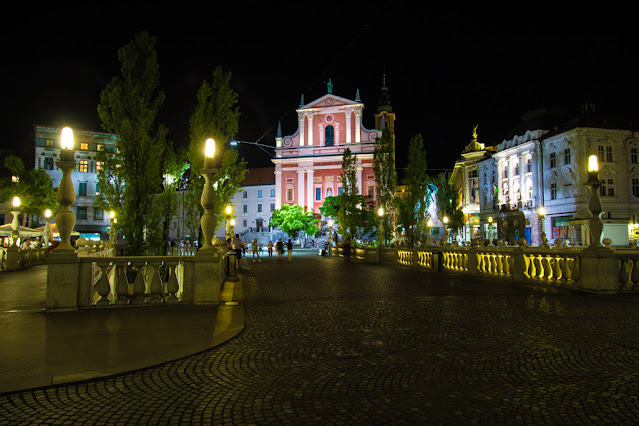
x=329, y=101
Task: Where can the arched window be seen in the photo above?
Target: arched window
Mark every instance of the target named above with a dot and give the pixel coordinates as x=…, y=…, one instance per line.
x=329, y=138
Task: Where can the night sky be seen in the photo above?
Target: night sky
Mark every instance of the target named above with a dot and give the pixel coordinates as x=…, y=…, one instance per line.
x=448, y=67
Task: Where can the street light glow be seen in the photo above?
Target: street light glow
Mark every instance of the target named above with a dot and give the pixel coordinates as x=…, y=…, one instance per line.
x=229, y=210
x=542, y=211
x=209, y=148
x=380, y=212
x=490, y=219
x=111, y=214
x=66, y=141
x=47, y=213
x=593, y=163
x=16, y=202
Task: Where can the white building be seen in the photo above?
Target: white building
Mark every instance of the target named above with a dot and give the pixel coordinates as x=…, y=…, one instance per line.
x=548, y=168
x=91, y=222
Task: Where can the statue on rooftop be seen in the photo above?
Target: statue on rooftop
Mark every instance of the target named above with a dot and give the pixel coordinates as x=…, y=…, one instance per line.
x=329, y=86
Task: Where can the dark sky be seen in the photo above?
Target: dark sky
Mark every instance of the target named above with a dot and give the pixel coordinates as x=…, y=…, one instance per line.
x=448, y=66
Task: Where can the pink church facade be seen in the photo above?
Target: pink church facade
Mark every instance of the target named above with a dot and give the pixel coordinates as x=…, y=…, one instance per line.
x=308, y=163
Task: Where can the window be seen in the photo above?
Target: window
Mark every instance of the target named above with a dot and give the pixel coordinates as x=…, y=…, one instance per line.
x=48, y=143
x=329, y=136
x=505, y=172
x=97, y=190
x=517, y=168
x=244, y=208
x=100, y=147
x=553, y=191
x=244, y=223
x=259, y=193
x=370, y=191
x=259, y=208
x=289, y=195
x=567, y=156
x=84, y=146
x=608, y=188
x=329, y=192
x=635, y=187
x=99, y=166
x=82, y=213
x=340, y=190
x=318, y=194
x=272, y=207
x=48, y=163
x=600, y=153
x=82, y=189
x=98, y=214
x=83, y=166
x=609, y=154
x=244, y=194
x=272, y=193
x=553, y=160
x=529, y=165
x=633, y=155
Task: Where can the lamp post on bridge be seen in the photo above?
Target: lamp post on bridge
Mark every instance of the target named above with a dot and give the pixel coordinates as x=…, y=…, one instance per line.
x=15, y=223
x=380, y=213
x=47, y=227
x=595, y=206
x=208, y=196
x=330, y=236
x=65, y=219
x=229, y=219
x=542, y=218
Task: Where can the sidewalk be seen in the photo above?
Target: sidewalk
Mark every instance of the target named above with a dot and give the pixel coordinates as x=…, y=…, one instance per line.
x=39, y=348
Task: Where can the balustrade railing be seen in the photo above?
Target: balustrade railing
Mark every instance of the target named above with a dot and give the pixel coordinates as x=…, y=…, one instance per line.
x=18, y=258
x=559, y=266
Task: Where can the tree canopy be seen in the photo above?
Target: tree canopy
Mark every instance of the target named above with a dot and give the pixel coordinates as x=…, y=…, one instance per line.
x=292, y=219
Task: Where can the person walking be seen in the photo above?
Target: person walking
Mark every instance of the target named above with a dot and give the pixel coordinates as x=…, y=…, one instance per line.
x=237, y=246
x=270, y=249
x=289, y=248
x=254, y=249
x=279, y=246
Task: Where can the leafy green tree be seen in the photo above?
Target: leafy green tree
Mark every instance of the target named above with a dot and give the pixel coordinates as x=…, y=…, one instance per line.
x=386, y=179
x=129, y=107
x=412, y=206
x=33, y=186
x=349, y=216
x=292, y=219
x=330, y=206
x=447, y=202
x=165, y=203
x=215, y=116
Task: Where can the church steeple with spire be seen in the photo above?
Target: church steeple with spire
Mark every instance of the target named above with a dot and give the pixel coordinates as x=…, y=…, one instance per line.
x=385, y=116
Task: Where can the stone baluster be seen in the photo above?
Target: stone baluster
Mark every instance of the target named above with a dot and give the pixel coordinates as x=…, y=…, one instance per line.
x=500, y=264
x=103, y=286
x=537, y=271
x=565, y=271
x=121, y=285
x=634, y=275
x=155, y=288
x=623, y=272
x=139, y=285
x=172, y=285
x=556, y=270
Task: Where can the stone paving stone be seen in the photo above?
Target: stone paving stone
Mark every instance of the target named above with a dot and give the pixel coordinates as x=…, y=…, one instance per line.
x=328, y=342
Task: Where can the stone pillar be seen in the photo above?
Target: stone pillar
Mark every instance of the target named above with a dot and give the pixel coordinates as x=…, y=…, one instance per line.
x=359, y=179
x=310, y=189
x=599, y=270
x=300, y=187
x=310, y=129
x=206, y=283
x=349, y=129
x=63, y=269
x=358, y=126
x=300, y=125
x=278, y=189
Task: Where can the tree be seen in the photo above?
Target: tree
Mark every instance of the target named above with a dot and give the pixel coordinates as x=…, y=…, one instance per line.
x=412, y=206
x=33, y=186
x=165, y=203
x=292, y=219
x=129, y=107
x=330, y=207
x=350, y=201
x=216, y=116
x=447, y=202
x=385, y=178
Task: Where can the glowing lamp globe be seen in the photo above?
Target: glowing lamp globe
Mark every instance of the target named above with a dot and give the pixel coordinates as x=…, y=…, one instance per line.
x=16, y=202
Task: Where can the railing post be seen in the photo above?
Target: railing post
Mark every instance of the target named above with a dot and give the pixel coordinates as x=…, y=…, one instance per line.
x=599, y=270
x=473, y=262
x=519, y=264
x=62, y=281
x=436, y=261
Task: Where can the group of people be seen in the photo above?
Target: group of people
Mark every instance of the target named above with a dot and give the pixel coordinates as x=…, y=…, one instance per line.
x=239, y=248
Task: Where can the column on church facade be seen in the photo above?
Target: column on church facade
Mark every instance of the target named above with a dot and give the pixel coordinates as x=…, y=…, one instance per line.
x=300, y=187
x=310, y=193
x=358, y=125
x=278, y=189
x=500, y=182
x=300, y=125
x=359, y=180
x=349, y=130
x=522, y=178
x=310, y=129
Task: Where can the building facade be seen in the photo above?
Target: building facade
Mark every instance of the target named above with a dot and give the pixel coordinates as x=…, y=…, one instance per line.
x=548, y=168
x=308, y=163
x=91, y=222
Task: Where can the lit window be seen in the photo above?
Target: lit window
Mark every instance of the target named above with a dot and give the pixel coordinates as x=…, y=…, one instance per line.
x=83, y=166
x=84, y=146
x=99, y=166
x=15, y=179
x=48, y=142
x=100, y=147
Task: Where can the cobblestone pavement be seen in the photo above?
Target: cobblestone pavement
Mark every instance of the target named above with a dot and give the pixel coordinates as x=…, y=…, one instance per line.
x=333, y=343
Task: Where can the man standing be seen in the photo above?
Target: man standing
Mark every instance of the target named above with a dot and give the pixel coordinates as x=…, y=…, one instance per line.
x=280, y=249
x=254, y=249
x=237, y=246
x=289, y=248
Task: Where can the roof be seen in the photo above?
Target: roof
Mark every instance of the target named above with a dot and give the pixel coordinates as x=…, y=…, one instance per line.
x=259, y=176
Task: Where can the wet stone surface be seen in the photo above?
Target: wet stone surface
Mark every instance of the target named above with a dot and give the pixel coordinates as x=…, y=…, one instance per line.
x=328, y=342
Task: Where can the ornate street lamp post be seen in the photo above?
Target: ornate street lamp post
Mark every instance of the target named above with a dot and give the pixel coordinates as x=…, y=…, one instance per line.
x=542, y=219
x=65, y=219
x=445, y=229
x=380, y=213
x=15, y=224
x=232, y=231
x=111, y=227
x=490, y=231
x=595, y=206
x=208, y=196
x=47, y=227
